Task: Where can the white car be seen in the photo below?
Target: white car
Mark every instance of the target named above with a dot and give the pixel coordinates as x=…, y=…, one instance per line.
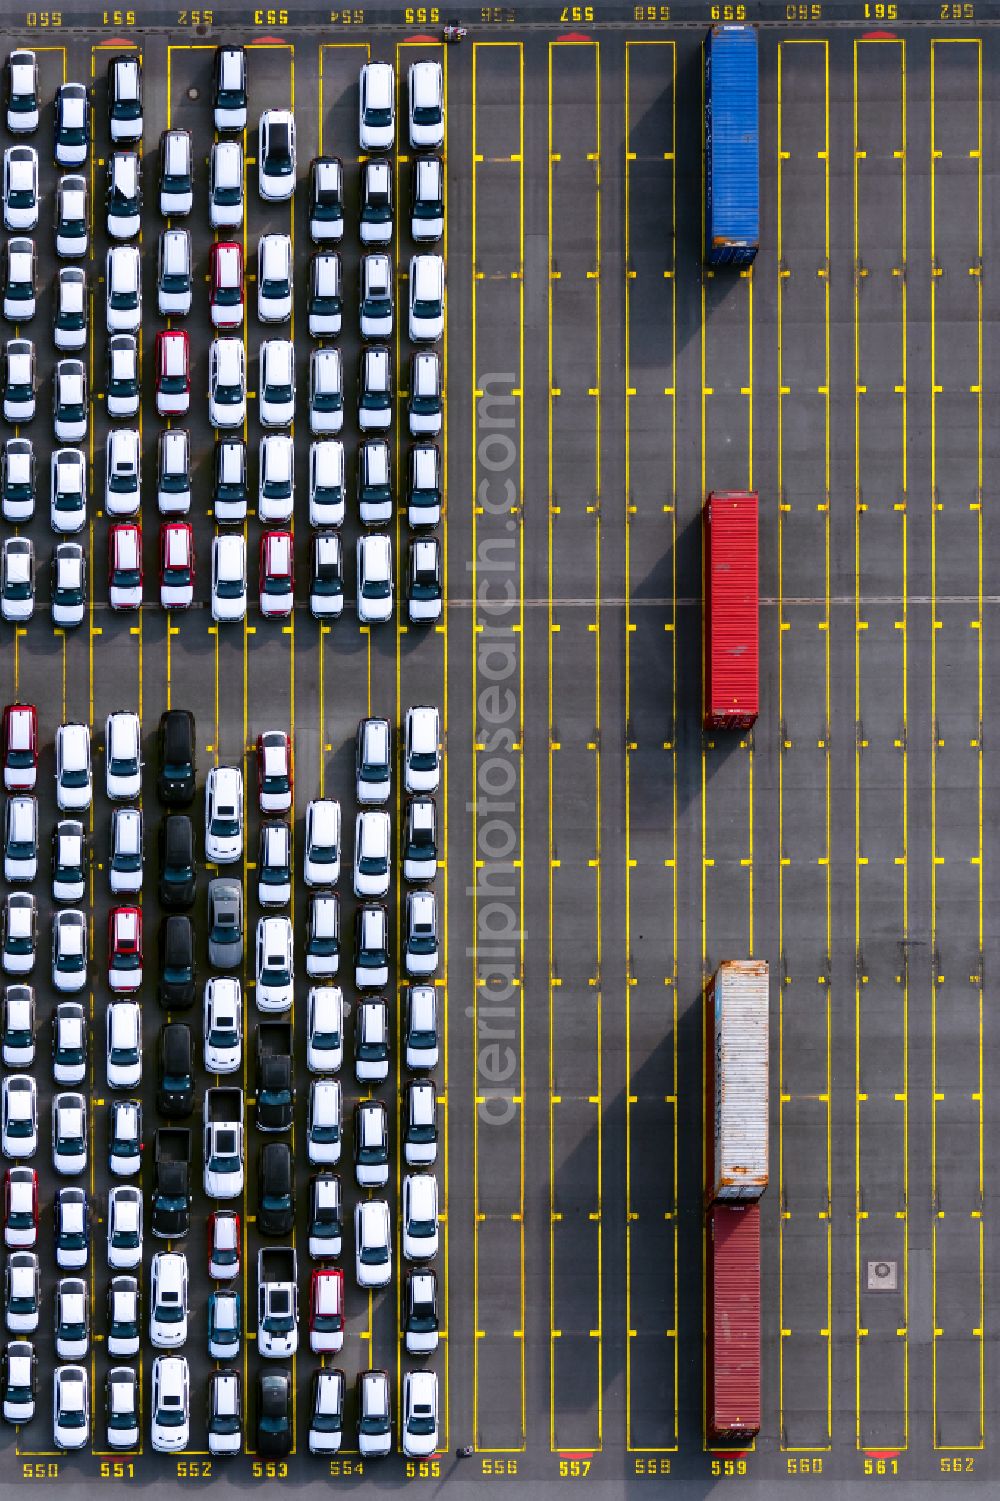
x=376, y=296
x=326, y=483
x=224, y=815
x=69, y=1043
x=277, y=383
x=325, y=305
x=176, y=172
x=68, y=493
x=70, y=401
x=375, y=497
x=20, y=1117
x=168, y=1304
x=173, y=280
x=325, y=1029
x=274, y=771
x=420, y=1216
x=371, y=946
x=223, y=1025
x=425, y=486
x=19, y=1381
x=326, y=588
x=420, y=934
x=123, y=1023
x=371, y=1040
x=20, y=187
x=74, y=782
x=274, y=278
x=170, y=1419
x=69, y=951
x=122, y=1389
x=173, y=472
x=124, y=201
x=229, y=577
x=426, y=298
x=424, y=587
x=419, y=1418
x=71, y=1218
x=327, y=1418
x=372, y=853
x=125, y=1138
x=274, y=866
x=71, y=1407
x=230, y=493
x=176, y=566
x=323, y=935
x=225, y=185
x=276, y=155
x=69, y=1134
x=225, y=1327
x=19, y=281
x=123, y=289
x=421, y=1028
x=375, y=403
x=374, y=578
x=422, y=749
x=425, y=403
x=124, y=1335
x=72, y=1319
x=427, y=209
x=123, y=756
x=374, y=1414
x=69, y=584
x=17, y=579
x=124, y=1226
x=426, y=93
x=122, y=394
x=275, y=968
x=325, y=1216
x=376, y=202
x=20, y=851
x=125, y=854
x=22, y=92
x=19, y=381
x=223, y=1156
x=326, y=391
x=276, y=493
x=72, y=125
x=22, y=1292
x=20, y=1229
x=230, y=89
x=71, y=315
x=377, y=107
x=122, y=472
x=326, y=199
x=371, y=1144
x=225, y=1431
x=19, y=1026
x=20, y=933
x=227, y=383
x=321, y=866
x=125, y=98
x=324, y=1123
x=372, y=1243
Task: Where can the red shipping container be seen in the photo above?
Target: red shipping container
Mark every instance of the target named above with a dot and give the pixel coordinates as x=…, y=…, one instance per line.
x=731, y=611
x=733, y=1323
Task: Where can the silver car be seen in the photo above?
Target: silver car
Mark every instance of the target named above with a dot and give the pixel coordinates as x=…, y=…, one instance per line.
x=225, y=923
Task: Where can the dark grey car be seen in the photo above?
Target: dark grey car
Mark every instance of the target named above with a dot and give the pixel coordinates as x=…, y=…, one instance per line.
x=225, y=923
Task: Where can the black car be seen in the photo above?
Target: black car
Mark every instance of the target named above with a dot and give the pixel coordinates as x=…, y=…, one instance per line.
x=177, y=873
x=275, y=1189
x=274, y=1414
x=176, y=781
x=175, y=1071
x=177, y=972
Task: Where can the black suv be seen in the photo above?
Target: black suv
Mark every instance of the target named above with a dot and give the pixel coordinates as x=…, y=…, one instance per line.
x=175, y=784
x=177, y=874
x=175, y=1071
x=177, y=974
x=275, y=1189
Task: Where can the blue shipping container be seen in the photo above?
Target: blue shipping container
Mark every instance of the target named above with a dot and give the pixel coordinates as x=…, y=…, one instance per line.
x=732, y=146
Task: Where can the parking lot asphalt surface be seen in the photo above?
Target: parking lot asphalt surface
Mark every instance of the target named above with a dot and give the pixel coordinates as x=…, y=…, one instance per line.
x=601, y=854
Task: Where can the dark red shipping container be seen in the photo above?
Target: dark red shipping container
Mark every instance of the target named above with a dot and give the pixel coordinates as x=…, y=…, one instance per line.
x=731, y=611
x=733, y=1325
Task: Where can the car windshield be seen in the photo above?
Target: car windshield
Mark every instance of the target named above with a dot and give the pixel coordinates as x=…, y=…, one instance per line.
x=421, y=1422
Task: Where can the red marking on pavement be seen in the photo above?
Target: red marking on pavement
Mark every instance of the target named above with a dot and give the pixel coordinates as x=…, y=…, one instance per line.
x=574, y=36
x=883, y=1453
x=420, y=37
x=268, y=41
x=117, y=41
x=576, y=1453
x=880, y=36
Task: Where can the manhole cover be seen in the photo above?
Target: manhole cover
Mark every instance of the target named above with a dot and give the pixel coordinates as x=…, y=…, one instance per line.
x=883, y=1276
x=193, y=93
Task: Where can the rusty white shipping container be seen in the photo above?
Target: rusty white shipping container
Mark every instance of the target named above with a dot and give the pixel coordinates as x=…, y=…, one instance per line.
x=737, y=1081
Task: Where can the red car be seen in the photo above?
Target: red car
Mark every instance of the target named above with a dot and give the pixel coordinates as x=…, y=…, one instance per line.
x=226, y=282
x=274, y=771
x=223, y=1244
x=125, y=565
x=326, y=1310
x=20, y=747
x=277, y=582
x=125, y=948
x=20, y=1207
x=176, y=565
x=173, y=372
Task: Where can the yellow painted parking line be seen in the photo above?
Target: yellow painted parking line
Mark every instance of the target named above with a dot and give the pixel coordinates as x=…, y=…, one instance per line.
x=965, y=1071
x=889, y=225
x=818, y=52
